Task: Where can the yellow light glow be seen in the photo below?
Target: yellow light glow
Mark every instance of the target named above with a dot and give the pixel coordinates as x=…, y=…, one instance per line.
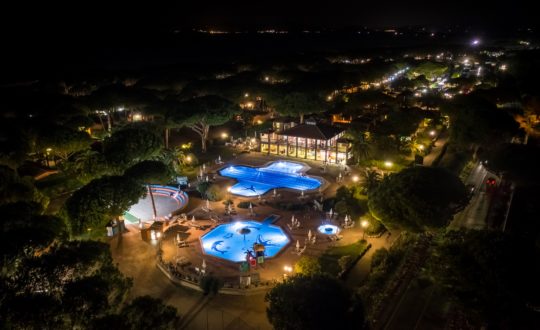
x=246, y=95
x=421, y=147
x=188, y=158
x=388, y=164
x=224, y=135
x=355, y=178
x=365, y=224
x=266, y=78
x=259, y=122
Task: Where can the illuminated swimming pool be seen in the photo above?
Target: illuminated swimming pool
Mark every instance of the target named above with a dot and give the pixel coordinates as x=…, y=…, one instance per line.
x=328, y=229
x=253, y=181
x=233, y=240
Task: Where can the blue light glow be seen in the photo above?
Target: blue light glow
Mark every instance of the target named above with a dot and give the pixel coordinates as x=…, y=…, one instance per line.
x=328, y=229
x=231, y=241
x=254, y=181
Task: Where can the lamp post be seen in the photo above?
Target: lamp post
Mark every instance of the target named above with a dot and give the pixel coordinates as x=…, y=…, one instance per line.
x=364, y=224
x=288, y=269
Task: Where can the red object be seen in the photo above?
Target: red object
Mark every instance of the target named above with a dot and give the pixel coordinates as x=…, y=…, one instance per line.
x=253, y=262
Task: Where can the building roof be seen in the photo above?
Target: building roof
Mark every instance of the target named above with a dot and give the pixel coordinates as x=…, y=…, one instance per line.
x=319, y=131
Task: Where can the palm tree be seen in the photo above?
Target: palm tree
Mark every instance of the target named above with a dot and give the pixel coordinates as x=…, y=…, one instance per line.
x=361, y=147
x=371, y=179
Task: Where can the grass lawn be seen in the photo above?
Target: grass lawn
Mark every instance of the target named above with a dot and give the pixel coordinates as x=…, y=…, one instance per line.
x=329, y=259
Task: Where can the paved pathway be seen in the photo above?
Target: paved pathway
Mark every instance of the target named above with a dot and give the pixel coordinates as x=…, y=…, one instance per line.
x=437, y=149
x=360, y=271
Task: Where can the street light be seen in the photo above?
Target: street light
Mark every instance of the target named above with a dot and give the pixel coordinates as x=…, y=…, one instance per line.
x=287, y=269
x=388, y=164
x=364, y=224
x=432, y=133
x=224, y=135
x=355, y=178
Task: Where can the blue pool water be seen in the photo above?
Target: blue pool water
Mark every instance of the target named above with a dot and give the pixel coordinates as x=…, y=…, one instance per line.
x=328, y=229
x=232, y=241
x=253, y=181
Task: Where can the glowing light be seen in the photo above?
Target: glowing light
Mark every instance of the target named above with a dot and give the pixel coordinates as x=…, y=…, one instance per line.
x=364, y=224
x=503, y=67
x=475, y=42
x=188, y=159
x=421, y=147
x=253, y=140
x=224, y=135
x=355, y=178
x=329, y=98
x=228, y=189
x=388, y=164
x=259, y=121
x=287, y=269
x=266, y=78
x=246, y=95
x=432, y=133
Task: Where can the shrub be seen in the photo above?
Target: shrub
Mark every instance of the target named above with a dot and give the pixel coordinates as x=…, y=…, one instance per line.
x=344, y=262
x=214, y=193
x=245, y=205
x=379, y=257
x=210, y=284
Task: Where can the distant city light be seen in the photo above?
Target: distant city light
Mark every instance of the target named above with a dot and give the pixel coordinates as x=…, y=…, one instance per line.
x=475, y=42
x=266, y=78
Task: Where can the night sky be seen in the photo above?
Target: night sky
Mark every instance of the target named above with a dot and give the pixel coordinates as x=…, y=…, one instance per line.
x=107, y=20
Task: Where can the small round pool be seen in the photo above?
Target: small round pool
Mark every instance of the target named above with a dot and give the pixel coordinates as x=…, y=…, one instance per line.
x=328, y=229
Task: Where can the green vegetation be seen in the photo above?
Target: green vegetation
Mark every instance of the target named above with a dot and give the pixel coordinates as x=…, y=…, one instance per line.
x=492, y=274
x=330, y=260
x=215, y=193
x=103, y=199
x=317, y=302
x=205, y=112
x=307, y=266
x=210, y=284
x=417, y=198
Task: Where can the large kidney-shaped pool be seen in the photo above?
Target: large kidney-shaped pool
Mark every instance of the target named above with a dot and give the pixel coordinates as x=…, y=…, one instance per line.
x=234, y=240
x=253, y=181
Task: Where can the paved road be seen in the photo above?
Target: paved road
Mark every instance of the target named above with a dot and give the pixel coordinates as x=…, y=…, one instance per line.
x=437, y=149
x=474, y=215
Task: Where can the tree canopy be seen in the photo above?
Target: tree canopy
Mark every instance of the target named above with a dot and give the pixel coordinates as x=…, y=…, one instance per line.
x=101, y=200
x=317, y=302
x=130, y=145
x=206, y=111
x=150, y=172
x=62, y=141
x=490, y=273
x=475, y=121
x=417, y=198
x=300, y=104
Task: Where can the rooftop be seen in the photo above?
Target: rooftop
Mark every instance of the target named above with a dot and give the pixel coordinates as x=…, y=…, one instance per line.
x=319, y=131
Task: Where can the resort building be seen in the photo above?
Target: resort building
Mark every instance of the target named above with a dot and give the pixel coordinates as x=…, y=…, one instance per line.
x=308, y=141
